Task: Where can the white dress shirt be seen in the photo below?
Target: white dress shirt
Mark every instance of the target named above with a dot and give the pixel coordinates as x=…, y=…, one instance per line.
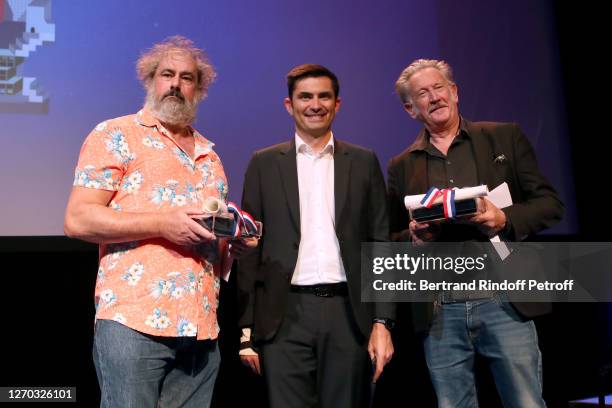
x=319, y=259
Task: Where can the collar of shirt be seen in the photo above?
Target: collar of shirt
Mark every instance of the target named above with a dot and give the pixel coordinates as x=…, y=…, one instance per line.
x=302, y=147
x=202, y=145
x=422, y=141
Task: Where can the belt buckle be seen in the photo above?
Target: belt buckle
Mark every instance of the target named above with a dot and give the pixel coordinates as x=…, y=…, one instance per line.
x=446, y=297
x=323, y=291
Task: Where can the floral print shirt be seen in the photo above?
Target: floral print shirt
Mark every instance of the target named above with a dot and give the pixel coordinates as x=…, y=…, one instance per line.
x=153, y=285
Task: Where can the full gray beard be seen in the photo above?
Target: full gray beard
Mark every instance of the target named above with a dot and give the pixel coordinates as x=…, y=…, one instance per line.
x=171, y=110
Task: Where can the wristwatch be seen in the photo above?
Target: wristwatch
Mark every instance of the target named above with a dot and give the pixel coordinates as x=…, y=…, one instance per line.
x=389, y=323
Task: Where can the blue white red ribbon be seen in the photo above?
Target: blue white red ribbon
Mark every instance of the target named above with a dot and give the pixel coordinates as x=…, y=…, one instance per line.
x=448, y=203
x=243, y=219
x=232, y=208
x=430, y=197
x=448, y=200
x=249, y=223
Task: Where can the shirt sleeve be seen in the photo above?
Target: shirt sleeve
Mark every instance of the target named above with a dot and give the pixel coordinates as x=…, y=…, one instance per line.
x=103, y=159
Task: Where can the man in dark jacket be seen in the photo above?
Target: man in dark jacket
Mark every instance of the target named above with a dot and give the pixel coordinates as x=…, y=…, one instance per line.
x=319, y=198
x=452, y=152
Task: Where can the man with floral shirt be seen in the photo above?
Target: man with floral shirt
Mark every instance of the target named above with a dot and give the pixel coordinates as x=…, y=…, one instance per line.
x=140, y=184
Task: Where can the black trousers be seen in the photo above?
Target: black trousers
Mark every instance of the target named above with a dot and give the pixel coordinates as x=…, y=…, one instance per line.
x=318, y=358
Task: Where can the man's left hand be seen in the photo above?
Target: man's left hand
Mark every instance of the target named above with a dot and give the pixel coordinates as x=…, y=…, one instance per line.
x=240, y=246
x=380, y=348
x=490, y=219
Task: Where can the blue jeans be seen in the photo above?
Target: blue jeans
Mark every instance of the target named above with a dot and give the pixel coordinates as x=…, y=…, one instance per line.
x=492, y=329
x=137, y=370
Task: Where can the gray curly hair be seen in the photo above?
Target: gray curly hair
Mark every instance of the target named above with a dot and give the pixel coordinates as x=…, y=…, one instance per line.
x=149, y=60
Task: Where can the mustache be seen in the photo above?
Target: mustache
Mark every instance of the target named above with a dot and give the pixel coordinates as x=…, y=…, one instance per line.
x=174, y=92
x=437, y=106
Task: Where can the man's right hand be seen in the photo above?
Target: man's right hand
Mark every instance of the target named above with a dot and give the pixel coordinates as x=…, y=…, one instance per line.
x=248, y=355
x=89, y=218
x=250, y=358
x=422, y=232
x=180, y=227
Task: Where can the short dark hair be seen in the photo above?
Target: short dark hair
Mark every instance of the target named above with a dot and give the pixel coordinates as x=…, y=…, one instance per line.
x=311, y=71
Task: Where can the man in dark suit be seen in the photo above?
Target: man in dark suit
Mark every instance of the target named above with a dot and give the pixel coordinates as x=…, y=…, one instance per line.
x=453, y=152
x=319, y=199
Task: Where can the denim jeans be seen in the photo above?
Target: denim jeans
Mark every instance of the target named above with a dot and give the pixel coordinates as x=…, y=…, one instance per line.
x=137, y=370
x=492, y=329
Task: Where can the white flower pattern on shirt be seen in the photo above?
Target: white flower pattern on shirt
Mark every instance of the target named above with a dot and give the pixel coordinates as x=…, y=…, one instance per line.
x=133, y=274
x=158, y=319
x=153, y=286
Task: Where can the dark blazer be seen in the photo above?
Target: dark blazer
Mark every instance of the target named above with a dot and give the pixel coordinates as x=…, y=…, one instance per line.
x=502, y=154
x=271, y=195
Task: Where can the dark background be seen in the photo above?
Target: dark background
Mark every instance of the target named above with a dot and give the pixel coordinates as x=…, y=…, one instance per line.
x=46, y=300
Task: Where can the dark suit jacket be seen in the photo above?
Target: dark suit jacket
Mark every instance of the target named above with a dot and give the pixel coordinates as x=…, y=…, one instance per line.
x=271, y=195
x=536, y=203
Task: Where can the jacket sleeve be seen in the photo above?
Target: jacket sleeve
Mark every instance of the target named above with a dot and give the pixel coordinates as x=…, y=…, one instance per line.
x=249, y=263
x=539, y=206
x=378, y=225
x=398, y=215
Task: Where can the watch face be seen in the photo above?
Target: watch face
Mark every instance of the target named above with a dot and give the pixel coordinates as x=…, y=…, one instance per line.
x=389, y=324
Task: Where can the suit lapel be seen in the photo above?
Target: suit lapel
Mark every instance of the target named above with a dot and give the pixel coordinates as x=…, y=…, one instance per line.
x=483, y=155
x=342, y=169
x=415, y=174
x=288, y=173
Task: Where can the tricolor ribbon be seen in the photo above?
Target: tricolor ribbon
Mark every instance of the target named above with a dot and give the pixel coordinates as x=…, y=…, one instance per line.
x=448, y=203
x=448, y=200
x=430, y=197
x=243, y=220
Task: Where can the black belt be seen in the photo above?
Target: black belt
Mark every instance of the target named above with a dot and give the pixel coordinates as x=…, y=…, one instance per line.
x=464, y=296
x=323, y=290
